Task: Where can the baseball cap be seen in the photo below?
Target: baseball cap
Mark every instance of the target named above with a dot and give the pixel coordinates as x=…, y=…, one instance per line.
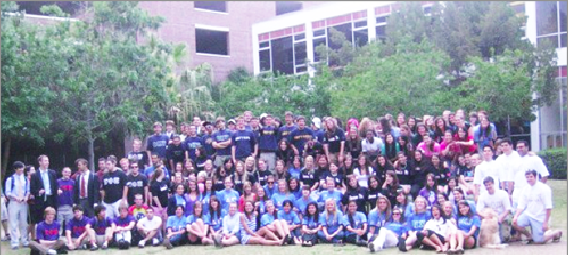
x=263, y=115
x=316, y=122
x=231, y=120
x=157, y=123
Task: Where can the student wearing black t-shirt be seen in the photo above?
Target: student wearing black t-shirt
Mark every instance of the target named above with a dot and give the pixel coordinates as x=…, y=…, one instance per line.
x=307, y=176
x=137, y=155
x=333, y=140
x=159, y=188
x=114, y=188
x=355, y=193
x=421, y=167
x=136, y=183
x=175, y=152
x=404, y=172
x=375, y=189
x=157, y=143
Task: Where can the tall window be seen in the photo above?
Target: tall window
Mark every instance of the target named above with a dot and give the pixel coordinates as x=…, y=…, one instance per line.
x=551, y=24
x=282, y=55
x=360, y=33
x=215, y=6
x=319, y=38
x=264, y=56
x=211, y=42
x=381, y=28
x=300, y=53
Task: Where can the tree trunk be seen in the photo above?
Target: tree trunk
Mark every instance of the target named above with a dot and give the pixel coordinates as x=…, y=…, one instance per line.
x=6, y=156
x=91, y=153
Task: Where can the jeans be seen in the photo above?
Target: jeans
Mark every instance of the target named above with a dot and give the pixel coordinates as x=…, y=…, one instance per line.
x=18, y=217
x=338, y=237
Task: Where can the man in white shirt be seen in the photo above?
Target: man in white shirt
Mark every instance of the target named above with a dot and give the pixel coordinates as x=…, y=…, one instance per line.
x=535, y=205
x=498, y=200
x=487, y=167
x=508, y=165
x=149, y=228
x=18, y=190
x=527, y=162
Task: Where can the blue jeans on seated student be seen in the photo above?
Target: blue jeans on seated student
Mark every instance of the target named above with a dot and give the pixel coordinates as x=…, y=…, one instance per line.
x=351, y=237
x=176, y=240
x=322, y=239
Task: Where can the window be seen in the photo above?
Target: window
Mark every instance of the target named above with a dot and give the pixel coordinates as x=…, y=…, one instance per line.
x=282, y=55
x=380, y=29
x=551, y=24
x=345, y=29
x=317, y=42
x=300, y=53
x=360, y=34
x=211, y=42
x=546, y=18
x=264, y=56
x=283, y=7
x=427, y=10
x=216, y=6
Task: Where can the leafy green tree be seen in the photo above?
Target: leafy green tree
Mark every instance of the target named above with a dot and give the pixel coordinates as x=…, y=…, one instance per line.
x=53, y=10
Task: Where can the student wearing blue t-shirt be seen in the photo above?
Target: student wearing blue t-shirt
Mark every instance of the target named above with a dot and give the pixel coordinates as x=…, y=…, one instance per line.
x=389, y=234
x=331, y=221
x=228, y=195
x=197, y=225
x=355, y=223
x=244, y=142
x=379, y=216
x=301, y=204
x=414, y=237
x=310, y=224
x=330, y=193
x=468, y=227
x=272, y=226
x=296, y=169
x=176, y=225
x=292, y=221
x=216, y=214
x=282, y=195
x=294, y=188
x=300, y=136
x=157, y=143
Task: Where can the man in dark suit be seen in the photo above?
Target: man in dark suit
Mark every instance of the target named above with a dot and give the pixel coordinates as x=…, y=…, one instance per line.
x=43, y=185
x=86, y=189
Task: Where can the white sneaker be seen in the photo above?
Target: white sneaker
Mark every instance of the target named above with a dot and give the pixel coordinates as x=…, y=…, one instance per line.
x=51, y=252
x=105, y=246
x=141, y=244
x=155, y=241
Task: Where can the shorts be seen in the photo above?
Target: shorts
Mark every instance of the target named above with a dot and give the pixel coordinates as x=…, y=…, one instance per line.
x=198, y=241
x=430, y=233
x=100, y=239
x=4, y=211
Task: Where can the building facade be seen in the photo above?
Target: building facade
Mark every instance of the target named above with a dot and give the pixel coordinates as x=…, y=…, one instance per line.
x=217, y=32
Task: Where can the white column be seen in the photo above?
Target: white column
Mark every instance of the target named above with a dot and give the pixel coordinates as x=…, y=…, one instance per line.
x=371, y=23
x=310, y=48
x=530, y=33
x=255, y=52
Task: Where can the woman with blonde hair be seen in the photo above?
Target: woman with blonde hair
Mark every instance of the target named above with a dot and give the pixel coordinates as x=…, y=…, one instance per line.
x=332, y=223
x=366, y=124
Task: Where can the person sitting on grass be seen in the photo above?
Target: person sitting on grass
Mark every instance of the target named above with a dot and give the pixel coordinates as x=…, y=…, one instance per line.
x=231, y=226
x=414, y=237
x=175, y=226
x=149, y=228
x=216, y=215
x=379, y=216
x=248, y=233
x=389, y=234
x=124, y=224
x=310, y=224
x=270, y=222
x=468, y=228
x=47, y=235
x=436, y=231
x=355, y=223
x=101, y=228
x=197, y=225
x=138, y=210
x=76, y=231
x=332, y=223
x=291, y=221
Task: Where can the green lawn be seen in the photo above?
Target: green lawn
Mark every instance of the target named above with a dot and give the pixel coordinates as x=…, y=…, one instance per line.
x=559, y=220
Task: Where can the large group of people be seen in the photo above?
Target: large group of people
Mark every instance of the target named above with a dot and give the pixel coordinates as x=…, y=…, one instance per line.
x=409, y=183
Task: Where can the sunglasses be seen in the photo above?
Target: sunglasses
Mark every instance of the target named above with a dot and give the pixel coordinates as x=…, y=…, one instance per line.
x=396, y=214
x=270, y=182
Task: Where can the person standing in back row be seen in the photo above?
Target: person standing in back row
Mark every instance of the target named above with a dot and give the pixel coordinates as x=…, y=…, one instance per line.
x=18, y=190
x=244, y=144
x=157, y=143
x=43, y=186
x=114, y=189
x=285, y=132
x=86, y=188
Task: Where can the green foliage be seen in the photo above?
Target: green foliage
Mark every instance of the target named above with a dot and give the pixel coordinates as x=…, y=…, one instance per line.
x=53, y=10
x=272, y=94
x=193, y=93
x=9, y=6
x=405, y=81
x=239, y=74
x=555, y=160
x=409, y=21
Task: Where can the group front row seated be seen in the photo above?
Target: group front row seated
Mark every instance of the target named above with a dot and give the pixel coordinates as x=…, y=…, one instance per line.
x=445, y=226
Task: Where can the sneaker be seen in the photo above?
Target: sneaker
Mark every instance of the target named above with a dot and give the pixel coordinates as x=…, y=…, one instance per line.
x=155, y=242
x=94, y=248
x=26, y=245
x=141, y=244
x=371, y=246
x=51, y=252
x=83, y=247
x=105, y=246
x=6, y=237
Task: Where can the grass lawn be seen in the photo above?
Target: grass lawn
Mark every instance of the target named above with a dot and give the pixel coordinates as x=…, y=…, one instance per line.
x=559, y=191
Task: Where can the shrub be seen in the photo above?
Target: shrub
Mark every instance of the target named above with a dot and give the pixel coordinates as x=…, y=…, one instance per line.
x=555, y=160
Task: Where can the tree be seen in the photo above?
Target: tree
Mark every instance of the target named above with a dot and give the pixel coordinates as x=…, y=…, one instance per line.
x=403, y=82
x=25, y=97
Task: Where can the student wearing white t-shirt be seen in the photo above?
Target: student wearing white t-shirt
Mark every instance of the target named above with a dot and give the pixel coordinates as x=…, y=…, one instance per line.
x=508, y=165
x=149, y=228
x=488, y=167
x=498, y=200
x=535, y=205
x=527, y=162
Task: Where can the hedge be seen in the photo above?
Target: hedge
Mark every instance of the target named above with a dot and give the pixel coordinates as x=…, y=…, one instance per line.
x=555, y=160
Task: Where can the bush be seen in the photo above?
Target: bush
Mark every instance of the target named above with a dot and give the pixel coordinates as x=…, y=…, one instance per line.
x=555, y=160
